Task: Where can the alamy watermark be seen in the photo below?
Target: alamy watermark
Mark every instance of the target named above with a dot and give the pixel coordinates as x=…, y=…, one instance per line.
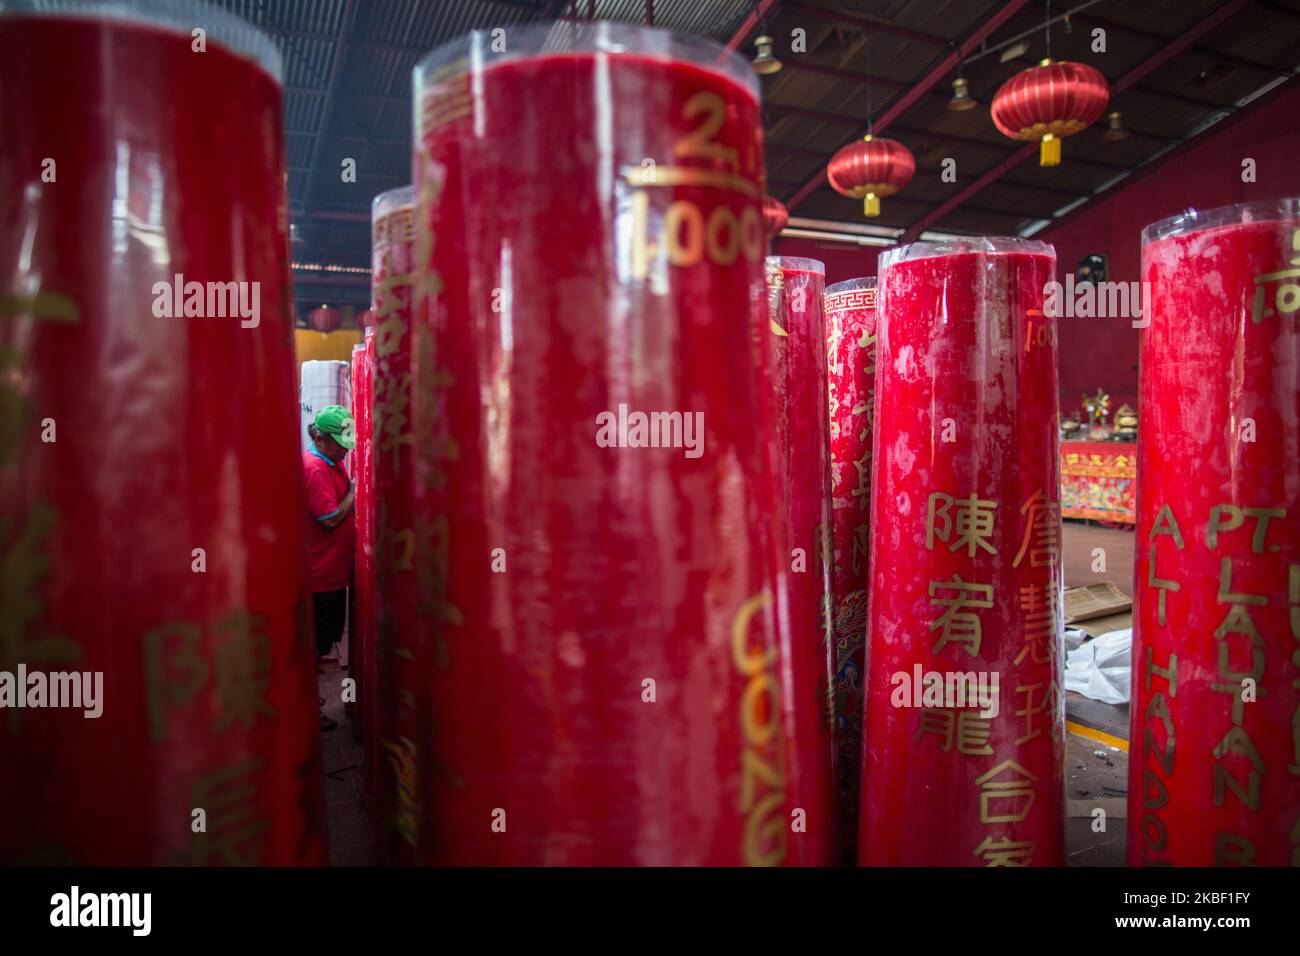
x=212, y=300
x=947, y=689
x=1098, y=300
x=624, y=429
x=78, y=690
x=77, y=909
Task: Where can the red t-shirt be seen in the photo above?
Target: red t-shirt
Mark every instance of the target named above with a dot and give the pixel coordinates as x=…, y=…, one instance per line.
x=329, y=550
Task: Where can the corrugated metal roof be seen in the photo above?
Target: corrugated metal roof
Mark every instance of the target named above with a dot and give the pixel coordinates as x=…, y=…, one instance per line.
x=897, y=41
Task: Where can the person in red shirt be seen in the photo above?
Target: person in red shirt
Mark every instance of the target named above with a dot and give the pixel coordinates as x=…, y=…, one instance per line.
x=331, y=528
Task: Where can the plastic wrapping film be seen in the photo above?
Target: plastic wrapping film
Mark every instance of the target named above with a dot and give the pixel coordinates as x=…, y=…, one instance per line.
x=1214, y=765
x=851, y=368
x=400, y=663
x=796, y=382
x=151, y=501
x=965, y=563
x=592, y=463
x=323, y=382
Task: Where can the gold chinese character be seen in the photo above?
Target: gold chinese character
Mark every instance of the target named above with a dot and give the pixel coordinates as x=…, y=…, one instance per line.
x=960, y=627
x=1030, y=709
x=174, y=671
x=234, y=833
x=1010, y=784
x=1038, y=602
x=972, y=524
x=1042, y=525
x=1006, y=851
x=971, y=731
x=243, y=672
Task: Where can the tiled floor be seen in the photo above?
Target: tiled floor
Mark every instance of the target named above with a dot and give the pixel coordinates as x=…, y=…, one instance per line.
x=351, y=837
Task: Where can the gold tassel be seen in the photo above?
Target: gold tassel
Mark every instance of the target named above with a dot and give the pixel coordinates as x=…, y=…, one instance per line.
x=1049, y=154
x=871, y=205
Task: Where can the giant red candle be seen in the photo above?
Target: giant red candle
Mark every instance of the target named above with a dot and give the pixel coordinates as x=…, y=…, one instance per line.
x=390, y=709
x=151, y=499
x=361, y=639
x=592, y=555
x=1214, y=764
x=851, y=370
x=964, y=722
x=797, y=393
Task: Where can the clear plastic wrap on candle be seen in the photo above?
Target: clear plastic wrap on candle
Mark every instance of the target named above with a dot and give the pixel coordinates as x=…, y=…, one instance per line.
x=1214, y=759
x=591, y=460
x=851, y=368
x=965, y=563
x=151, y=499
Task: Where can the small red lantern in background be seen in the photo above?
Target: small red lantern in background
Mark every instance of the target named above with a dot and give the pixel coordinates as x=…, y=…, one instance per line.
x=775, y=215
x=1048, y=102
x=325, y=319
x=365, y=319
x=870, y=170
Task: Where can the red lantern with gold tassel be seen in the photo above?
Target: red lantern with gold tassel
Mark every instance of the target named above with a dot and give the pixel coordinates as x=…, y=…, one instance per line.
x=1049, y=102
x=870, y=170
x=775, y=215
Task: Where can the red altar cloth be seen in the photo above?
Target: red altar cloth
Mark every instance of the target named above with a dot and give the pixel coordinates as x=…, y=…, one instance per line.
x=1099, y=480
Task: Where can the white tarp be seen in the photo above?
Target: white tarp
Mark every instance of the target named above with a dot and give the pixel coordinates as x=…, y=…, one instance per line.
x=1100, y=668
x=323, y=383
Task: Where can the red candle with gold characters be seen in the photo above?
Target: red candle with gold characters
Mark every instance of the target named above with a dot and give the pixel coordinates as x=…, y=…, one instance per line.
x=151, y=493
x=796, y=382
x=1214, y=764
x=591, y=459
x=390, y=710
x=361, y=649
x=964, y=721
x=851, y=369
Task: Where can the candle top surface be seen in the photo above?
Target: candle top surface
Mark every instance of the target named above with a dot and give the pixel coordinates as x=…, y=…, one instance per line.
x=180, y=17
x=1200, y=220
x=392, y=200
x=965, y=246
x=796, y=264
x=568, y=41
x=852, y=285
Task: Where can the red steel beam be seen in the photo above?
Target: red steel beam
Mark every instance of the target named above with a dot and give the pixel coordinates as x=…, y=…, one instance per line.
x=1136, y=75
x=905, y=102
x=750, y=22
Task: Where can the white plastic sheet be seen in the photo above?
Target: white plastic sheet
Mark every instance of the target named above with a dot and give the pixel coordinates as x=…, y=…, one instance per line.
x=1101, y=667
x=324, y=382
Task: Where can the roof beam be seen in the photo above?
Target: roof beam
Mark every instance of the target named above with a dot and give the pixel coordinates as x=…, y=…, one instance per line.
x=877, y=26
x=750, y=23
x=933, y=76
x=336, y=70
x=1198, y=48
x=1136, y=75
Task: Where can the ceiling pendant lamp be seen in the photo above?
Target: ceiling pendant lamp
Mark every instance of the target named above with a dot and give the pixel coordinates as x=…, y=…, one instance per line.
x=765, y=62
x=961, y=98
x=870, y=170
x=1115, y=130
x=1049, y=102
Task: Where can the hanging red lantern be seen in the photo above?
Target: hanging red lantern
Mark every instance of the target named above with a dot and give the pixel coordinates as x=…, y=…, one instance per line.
x=365, y=319
x=870, y=170
x=1049, y=102
x=325, y=319
x=775, y=215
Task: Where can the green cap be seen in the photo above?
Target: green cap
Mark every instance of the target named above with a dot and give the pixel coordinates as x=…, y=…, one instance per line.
x=336, y=421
